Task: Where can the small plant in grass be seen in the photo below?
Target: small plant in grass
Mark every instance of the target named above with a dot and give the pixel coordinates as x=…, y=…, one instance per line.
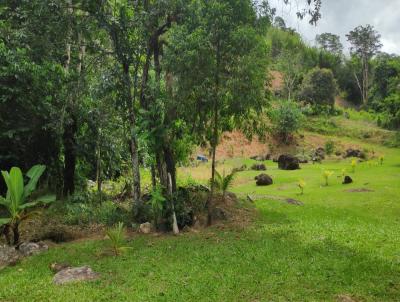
x=381, y=159
x=344, y=172
x=17, y=201
x=353, y=165
x=116, y=234
x=301, y=184
x=326, y=175
x=223, y=182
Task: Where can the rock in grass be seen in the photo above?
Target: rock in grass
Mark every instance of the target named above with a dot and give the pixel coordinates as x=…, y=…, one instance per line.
x=58, y=267
x=75, y=274
x=258, y=167
x=288, y=162
x=263, y=180
x=347, y=180
x=32, y=248
x=145, y=228
x=8, y=256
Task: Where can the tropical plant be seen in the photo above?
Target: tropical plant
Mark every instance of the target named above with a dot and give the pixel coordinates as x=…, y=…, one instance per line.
x=353, y=165
x=381, y=159
x=326, y=175
x=301, y=184
x=17, y=202
x=116, y=234
x=223, y=182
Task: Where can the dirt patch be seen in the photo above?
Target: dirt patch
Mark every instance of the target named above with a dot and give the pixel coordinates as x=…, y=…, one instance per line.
x=345, y=298
x=360, y=190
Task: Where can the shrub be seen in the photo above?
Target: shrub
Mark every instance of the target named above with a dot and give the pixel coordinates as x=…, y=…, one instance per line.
x=330, y=147
x=287, y=119
x=319, y=87
x=223, y=182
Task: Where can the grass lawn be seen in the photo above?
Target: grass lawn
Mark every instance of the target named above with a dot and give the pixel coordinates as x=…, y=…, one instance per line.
x=337, y=243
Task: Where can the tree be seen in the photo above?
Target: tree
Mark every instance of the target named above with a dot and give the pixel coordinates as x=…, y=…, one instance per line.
x=290, y=64
x=365, y=43
x=218, y=60
x=286, y=119
x=319, y=87
x=330, y=43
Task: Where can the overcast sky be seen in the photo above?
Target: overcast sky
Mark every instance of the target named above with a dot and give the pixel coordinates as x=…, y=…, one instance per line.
x=341, y=16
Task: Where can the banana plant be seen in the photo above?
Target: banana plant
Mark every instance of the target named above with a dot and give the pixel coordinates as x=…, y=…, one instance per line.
x=17, y=202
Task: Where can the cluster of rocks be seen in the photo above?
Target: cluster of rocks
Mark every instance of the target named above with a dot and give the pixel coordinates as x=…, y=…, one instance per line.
x=10, y=255
x=355, y=153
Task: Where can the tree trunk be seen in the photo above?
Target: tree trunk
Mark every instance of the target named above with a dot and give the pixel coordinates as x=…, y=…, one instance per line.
x=70, y=146
x=133, y=142
x=15, y=229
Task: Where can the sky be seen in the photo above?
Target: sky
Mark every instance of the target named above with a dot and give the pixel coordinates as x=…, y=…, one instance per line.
x=341, y=16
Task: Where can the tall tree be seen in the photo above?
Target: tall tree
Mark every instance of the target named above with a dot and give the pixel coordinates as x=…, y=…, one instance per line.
x=330, y=43
x=218, y=59
x=365, y=43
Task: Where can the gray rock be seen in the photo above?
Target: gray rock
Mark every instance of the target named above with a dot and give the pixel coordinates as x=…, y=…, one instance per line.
x=32, y=248
x=75, y=274
x=263, y=180
x=8, y=256
x=145, y=228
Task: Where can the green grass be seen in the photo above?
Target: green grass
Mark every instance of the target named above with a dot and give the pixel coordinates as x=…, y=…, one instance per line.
x=338, y=242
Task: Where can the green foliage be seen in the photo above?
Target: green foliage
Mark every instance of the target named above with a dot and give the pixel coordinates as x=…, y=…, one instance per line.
x=326, y=175
x=319, y=87
x=223, y=182
x=286, y=119
x=330, y=147
x=157, y=203
x=116, y=235
x=17, y=201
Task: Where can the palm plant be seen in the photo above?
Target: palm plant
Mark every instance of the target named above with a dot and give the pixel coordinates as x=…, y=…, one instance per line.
x=353, y=165
x=116, y=235
x=301, y=184
x=326, y=175
x=223, y=182
x=17, y=202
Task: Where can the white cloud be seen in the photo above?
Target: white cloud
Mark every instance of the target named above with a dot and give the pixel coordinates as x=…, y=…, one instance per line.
x=341, y=16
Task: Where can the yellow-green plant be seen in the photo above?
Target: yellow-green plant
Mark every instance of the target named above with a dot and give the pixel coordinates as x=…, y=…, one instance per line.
x=326, y=175
x=116, y=234
x=17, y=201
x=381, y=159
x=301, y=184
x=223, y=182
x=353, y=165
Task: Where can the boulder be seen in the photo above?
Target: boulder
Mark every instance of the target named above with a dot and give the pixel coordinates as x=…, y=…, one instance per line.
x=354, y=153
x=239, y=169
x=32, y=248
x=8, y=256
x=320, y=153
x=145, y=228
x=58, y=267
x=347, y=180
x=263, y=180
x=259, y=167
x=75, y=274
x=288, y=162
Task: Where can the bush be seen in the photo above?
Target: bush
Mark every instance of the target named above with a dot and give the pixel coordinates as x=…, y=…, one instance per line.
x=287, y=119
x=319, y=87
x=390, y=118
x=329, y=147
x=107, y=213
